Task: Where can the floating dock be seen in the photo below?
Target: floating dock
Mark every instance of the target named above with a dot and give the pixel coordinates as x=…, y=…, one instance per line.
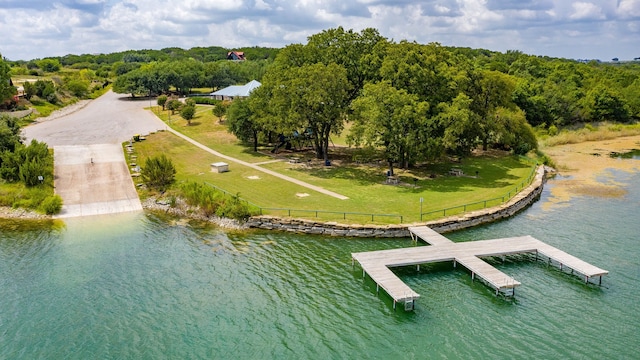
x=378, y=263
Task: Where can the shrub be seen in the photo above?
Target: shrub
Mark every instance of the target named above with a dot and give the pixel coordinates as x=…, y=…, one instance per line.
x=205, y=100
x=234, y=208
x=51, y=205
x=158, y=172
x=78, y=88
x=27, y=163
x=211, y=201
x=31, y=172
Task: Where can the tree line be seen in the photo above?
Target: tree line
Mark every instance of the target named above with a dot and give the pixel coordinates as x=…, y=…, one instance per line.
x=419, y=102
x=140, y=72
x=161, y=77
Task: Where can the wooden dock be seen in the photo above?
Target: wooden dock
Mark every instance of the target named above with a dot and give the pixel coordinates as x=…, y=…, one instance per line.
x=378, y=263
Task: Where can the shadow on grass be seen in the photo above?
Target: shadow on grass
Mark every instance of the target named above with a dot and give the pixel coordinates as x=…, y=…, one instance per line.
x=491, y=173
x=361, y=175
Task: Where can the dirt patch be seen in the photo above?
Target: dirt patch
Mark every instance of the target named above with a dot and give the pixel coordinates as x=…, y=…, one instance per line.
x=585, y=168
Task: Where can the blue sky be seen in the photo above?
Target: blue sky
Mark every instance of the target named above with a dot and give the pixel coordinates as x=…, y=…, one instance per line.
x=586, y=29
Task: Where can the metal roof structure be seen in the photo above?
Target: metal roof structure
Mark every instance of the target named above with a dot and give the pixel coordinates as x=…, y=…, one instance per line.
x=237, y=90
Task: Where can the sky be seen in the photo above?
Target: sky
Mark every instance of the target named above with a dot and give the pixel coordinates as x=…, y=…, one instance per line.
x=585, y=29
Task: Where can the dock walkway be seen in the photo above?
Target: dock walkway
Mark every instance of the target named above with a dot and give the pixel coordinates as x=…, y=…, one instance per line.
x=378, y=263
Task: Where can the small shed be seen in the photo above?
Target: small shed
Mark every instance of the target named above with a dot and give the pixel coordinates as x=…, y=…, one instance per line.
x=219, y=167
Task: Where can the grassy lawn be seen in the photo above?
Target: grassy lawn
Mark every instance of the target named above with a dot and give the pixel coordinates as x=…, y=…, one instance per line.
x=364, y=184
x=206, y=129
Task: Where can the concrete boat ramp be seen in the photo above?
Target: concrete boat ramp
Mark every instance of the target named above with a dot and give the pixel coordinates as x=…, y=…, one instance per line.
x=93, y=180
x=378, y=263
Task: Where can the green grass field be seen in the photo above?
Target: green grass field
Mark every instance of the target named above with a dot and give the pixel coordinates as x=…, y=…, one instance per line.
x=364, y=184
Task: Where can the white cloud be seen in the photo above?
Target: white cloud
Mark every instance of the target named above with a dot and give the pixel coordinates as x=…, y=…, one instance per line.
x=475, y=16
x=629, y=9
x=585, y=10
x=582, y=28
x=224, y=5
x=440, y=9
x=261, y=5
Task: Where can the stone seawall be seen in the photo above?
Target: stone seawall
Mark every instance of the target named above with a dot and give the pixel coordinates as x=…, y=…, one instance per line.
x=523, y=199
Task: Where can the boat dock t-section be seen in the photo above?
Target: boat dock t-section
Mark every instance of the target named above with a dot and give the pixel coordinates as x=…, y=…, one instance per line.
x=378, y=263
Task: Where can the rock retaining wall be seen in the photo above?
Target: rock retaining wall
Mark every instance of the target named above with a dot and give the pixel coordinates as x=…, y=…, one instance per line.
x=523, y=199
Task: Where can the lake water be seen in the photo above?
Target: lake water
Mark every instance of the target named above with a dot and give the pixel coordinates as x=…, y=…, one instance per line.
x=136, y=286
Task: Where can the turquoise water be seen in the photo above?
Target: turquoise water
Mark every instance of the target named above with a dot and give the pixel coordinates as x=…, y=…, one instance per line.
x=137, y=286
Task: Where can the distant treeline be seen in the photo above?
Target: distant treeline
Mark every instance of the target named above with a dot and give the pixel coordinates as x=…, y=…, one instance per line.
x=202, y=54
x=109, y=66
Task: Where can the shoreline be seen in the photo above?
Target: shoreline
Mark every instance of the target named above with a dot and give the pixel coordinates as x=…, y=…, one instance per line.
x=584, y=180
x=7, y=212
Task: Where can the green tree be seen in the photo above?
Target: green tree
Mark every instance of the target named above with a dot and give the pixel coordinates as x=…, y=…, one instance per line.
x=173, y=105
x=489, y=90
x=29, y=90
x=189, y=74
x=632, y=99
x=78, y=88
x=49, y=65
x=9, y=133
x=562, y=92
x=313, y=97
x=241, y=122
x=528, y=97
x=347, y=48
x=219, y=110
x=513, y=132
x=162, y=100
x=429, y=71
x=188, y=112
x=7, y=90
x=606, y=104
x=459, y=124
x=391, y=119
x=158, y=172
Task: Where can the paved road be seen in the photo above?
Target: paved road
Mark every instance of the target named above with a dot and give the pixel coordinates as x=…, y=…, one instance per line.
x=110, y=119
x=91, y=173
